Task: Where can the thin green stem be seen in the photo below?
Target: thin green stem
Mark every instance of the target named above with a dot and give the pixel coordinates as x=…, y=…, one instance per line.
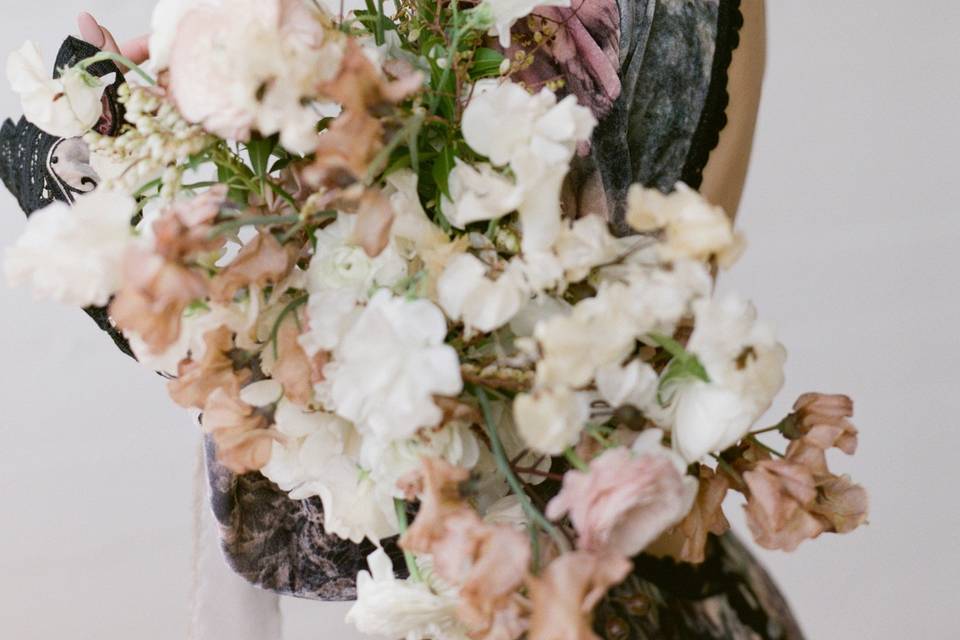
x=236, y=223
x=400, y=507
x=120, y=59
x=504, y=465
x=292, y=306
x=575, y=460
x=766, y=448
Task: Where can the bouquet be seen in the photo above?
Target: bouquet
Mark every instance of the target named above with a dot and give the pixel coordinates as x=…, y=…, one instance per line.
x=347, y=241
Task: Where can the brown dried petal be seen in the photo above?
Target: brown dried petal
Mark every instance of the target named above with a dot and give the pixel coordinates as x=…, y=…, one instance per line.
x=841, y=503
x=198, y=379
x=568, y=589
x=153, y=297
x=293, y=368
x=374, y=219
x=778, y=507
x=705, y=517
x=261, y=261
x=241, y=436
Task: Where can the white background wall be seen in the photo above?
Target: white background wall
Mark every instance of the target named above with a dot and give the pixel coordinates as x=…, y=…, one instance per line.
x=853, y=224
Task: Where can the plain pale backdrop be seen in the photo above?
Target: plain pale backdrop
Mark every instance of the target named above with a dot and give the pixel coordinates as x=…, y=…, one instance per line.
x=852, y=219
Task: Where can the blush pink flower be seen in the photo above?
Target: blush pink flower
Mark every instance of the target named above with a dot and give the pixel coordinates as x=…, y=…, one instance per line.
x=625, y=501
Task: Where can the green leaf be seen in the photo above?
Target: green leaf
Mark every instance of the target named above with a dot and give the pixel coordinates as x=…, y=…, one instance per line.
x=260, y=150
x=486, y=63
x=683, y=365
x=442, y=167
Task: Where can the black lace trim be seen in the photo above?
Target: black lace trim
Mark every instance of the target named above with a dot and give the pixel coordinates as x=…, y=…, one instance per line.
x=713, y=118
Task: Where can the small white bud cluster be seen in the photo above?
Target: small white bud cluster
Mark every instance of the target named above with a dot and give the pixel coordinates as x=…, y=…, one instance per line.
x=154, y=143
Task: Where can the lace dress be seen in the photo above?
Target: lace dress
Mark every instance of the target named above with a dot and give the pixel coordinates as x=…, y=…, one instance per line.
x=655, y=74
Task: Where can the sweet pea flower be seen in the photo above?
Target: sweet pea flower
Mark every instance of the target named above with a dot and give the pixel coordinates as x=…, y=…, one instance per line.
x=66, y=107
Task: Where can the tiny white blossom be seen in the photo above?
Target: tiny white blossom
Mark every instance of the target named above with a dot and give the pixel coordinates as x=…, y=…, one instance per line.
x=65, y=107
x=633, y=384
x=74, y=255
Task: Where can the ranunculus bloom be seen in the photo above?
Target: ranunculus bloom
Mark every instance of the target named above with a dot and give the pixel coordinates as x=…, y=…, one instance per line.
x=66, y=107
x=625, y=501
x=564, y=594
x=74, y=255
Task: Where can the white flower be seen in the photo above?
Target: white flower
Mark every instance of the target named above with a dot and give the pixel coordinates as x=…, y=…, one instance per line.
x=410, y=222
x=394, y=608
x=503, y=13
x=339, y=263
x=74, y=255
x=479, y=193
x=318, y=456
x=389, y=462
x=656, y=299
x=634, y=384
x=745, y=365
x=163, y=28
x=389, y=366
x=331, y=315
x=550, y=419
x=587, y=244
x=239, y=65
x=574, y=346
x=66, y=107
x=464, y=291
x=693, y=228
x=537, y=137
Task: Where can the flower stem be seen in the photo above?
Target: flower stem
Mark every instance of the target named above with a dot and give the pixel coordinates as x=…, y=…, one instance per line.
x=504, y=465
x=119, y=59
x=575, y=460
x=401, y=508
x=766, y=448
x=236, y=223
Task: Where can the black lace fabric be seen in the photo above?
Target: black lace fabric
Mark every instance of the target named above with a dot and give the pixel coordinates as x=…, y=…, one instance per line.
x=28, y=158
